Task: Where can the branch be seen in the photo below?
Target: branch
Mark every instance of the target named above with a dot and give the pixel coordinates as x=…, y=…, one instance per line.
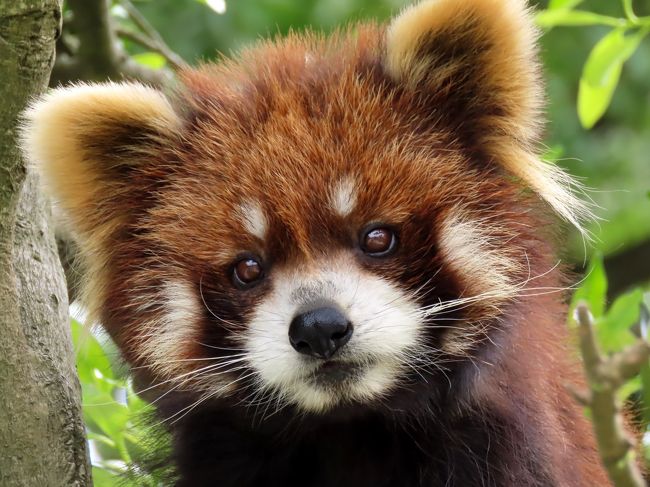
x=151, y=38
x=172, y=58
x=629, y=11
x=100, y=55
x=605, y=376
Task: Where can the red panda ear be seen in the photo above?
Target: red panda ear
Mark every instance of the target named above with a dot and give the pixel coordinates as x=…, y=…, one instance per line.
x=93, y=145
x=477, y=58
x=476, y=61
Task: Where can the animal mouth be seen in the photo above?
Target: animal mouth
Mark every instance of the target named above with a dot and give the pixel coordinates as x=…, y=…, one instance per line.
x=336, y=372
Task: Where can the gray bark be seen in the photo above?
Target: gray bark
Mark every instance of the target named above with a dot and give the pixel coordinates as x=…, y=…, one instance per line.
x=42, y=439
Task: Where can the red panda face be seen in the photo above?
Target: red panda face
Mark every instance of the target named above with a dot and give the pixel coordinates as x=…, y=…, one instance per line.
x=323, y=222
x=316, y=261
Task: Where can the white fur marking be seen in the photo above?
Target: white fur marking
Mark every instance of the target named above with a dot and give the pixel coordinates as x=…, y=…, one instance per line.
x=386, y=333
x=168, y=336
x=253, y=219
x=477, y=256
x=343, y=197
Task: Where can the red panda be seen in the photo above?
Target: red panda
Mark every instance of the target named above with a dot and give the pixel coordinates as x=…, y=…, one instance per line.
x=334, y=258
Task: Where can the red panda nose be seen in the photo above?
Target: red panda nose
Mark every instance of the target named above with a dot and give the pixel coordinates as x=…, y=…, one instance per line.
x=320, y=332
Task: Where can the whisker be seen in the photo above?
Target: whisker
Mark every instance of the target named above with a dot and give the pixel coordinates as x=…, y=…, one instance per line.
x=185, y=411
x=208, y=307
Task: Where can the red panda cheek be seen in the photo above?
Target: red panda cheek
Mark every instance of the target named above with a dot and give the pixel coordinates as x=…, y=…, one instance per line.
x=169, y=337
x=478, y=254
x=490, y=269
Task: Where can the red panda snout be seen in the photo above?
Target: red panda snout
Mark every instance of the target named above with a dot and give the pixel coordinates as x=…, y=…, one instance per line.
x=320, y=332
x=331, y=336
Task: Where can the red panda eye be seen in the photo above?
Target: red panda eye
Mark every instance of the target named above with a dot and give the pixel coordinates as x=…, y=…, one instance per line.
x=379, y=241
x=247, y=271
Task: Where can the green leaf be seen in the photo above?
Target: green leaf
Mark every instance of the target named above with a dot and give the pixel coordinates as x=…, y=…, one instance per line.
x=602, y=72
x=91, y=357
x=105, y=478
x=99, y=438
x=604, y=57
x=614, y=329
x=135, y=403
x=152, y=60
x=113, y=466
x=567, y=4
x=565, y=17
x=593, y=288
x=630, y=388
x=104, y=415
x=593, y=101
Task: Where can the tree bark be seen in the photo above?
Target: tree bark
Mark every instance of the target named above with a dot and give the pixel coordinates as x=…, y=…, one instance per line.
x=42, y=441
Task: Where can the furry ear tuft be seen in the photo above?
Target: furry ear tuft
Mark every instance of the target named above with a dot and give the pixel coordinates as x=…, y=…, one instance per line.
x=89, y=143
x=477, y=55
x=476, y=63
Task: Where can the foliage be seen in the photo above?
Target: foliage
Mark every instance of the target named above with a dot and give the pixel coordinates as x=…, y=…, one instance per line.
x=583, y=66
x=618, y=328
x=602, y=71
x=106, y=414
x=117, y=420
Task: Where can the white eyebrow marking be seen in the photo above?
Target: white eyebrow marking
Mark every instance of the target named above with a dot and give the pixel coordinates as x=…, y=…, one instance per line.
x=253, y=218
x=343, y=197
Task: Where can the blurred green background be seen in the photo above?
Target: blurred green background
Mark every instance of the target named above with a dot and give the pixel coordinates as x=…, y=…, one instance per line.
x=611, y=157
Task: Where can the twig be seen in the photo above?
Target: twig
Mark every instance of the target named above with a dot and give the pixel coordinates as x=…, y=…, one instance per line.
x=151, y=39
x=140, y=21
x=629, y=11
x=172, y=58
x=100, y=56
x=606, y=375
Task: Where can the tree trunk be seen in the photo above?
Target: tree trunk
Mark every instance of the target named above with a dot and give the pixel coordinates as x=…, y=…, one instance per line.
x=42, y=439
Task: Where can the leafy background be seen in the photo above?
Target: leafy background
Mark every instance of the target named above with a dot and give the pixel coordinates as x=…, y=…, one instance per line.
x=597, y=65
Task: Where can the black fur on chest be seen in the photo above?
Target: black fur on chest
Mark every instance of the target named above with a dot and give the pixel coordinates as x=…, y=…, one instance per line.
x=218, y=447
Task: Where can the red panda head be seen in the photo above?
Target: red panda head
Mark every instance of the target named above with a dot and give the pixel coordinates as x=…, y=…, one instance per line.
x=320, y=222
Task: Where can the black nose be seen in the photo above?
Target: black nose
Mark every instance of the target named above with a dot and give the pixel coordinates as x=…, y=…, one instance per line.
x=320, y=332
